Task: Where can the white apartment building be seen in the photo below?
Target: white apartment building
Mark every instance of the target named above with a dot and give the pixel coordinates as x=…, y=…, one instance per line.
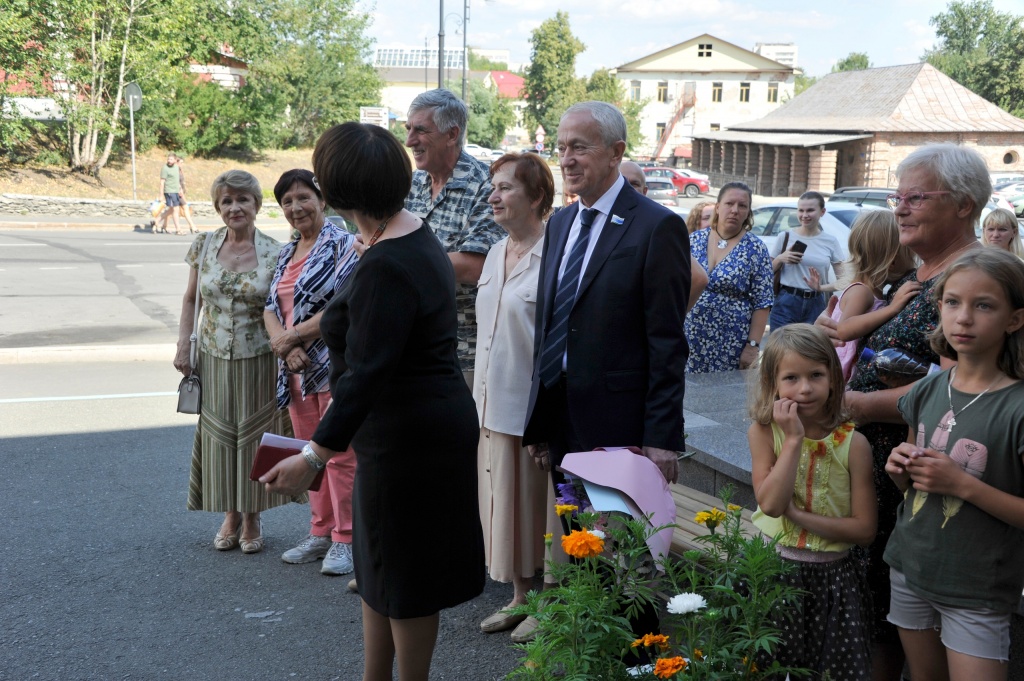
x=701, y=85
x=784, y=53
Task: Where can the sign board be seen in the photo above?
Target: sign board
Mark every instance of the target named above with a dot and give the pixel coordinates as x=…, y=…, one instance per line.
x=133, y=94
x=539, y=146
x=374, y=115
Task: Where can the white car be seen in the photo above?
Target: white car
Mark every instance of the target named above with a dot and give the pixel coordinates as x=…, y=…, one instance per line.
x=771, y=220
x=478, y=152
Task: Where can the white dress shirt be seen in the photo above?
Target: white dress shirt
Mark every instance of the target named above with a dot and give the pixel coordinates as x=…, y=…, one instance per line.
x=604, y=207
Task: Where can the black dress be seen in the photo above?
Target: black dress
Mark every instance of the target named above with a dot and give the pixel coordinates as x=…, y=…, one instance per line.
x=401, y=401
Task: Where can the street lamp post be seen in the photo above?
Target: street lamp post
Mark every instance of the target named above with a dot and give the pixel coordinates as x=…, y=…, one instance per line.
x=464, y=25
x=440, y=49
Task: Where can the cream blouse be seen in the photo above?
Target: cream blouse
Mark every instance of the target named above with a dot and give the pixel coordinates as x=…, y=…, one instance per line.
x=505, y=314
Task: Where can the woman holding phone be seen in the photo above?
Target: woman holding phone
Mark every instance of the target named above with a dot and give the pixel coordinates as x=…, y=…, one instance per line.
x=804, y=264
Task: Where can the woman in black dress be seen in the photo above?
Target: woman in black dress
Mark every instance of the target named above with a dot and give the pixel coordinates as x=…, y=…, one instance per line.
x=400, y=400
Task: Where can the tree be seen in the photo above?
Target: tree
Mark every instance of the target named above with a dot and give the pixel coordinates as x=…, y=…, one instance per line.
x=18, y=48
x=551, y=85
x=855, y=61
x=490, y=116
x=604, y=87
x=802, y=82
x=983, y=50
x=478, y=63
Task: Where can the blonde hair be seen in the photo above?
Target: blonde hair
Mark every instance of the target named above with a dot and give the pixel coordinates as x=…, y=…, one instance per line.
x=875, y=250
x=693, y=219
x=239, y=180
x=1005, y=269
x=812, y=344
x=1004, y=218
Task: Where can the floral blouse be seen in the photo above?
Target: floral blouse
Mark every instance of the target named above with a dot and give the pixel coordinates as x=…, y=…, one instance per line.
x=233, y=302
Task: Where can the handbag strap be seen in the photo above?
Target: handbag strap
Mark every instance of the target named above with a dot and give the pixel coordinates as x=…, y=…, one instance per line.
x=194, y=338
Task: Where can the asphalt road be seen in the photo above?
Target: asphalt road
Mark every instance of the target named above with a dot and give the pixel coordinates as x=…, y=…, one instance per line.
x=104, y=575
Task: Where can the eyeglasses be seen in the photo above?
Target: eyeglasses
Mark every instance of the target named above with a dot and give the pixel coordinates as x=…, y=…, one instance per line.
x=912, y=199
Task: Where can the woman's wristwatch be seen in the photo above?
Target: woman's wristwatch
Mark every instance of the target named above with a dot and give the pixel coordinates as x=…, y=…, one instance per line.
x=753, y=343
x=312, y=459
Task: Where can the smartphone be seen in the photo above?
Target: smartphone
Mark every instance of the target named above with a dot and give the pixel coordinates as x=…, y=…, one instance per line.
x=798, y=247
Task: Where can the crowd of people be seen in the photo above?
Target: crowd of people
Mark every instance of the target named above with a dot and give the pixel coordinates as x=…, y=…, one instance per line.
x=467, y=335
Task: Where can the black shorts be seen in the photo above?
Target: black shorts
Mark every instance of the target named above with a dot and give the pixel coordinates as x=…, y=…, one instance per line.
x=172, y=200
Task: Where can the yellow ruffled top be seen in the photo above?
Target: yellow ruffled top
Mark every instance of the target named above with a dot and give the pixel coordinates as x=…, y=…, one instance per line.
x=822, y=487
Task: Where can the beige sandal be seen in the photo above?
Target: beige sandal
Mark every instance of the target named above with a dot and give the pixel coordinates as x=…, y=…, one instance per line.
x=253, y=545
x=227, y=543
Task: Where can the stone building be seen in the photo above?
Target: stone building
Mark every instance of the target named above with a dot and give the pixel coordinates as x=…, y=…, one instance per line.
x=701, y=85
x=854, y=128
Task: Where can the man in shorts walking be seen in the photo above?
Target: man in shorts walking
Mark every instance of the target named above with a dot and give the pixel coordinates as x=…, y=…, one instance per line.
x=170, y=187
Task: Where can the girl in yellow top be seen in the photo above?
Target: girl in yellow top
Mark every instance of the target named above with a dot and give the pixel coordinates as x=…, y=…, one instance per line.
x=812, y=477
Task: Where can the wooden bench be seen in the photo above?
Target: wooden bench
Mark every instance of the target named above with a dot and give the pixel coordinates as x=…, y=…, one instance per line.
x=690, y=502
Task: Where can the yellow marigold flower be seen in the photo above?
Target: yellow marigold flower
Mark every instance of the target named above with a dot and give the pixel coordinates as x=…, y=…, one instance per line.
x=702, y=517
x=698, y=654
x=734, y=508
x=750, y=665
x=582, y=544
x=547, y=539
x=669, y=666
x=561, y=509
x=637, y=643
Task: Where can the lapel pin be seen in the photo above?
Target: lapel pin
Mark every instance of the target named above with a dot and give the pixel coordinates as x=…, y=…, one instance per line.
x=616, y=220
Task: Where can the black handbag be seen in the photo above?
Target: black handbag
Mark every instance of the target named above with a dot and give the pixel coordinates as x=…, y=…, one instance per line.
x=190, y=389
x=777, y=277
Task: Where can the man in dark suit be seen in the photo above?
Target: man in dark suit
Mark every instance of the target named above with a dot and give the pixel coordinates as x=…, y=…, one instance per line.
x=609, y=348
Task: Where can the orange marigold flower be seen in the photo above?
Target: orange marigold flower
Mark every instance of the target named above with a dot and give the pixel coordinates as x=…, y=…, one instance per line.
x=582, y=544
x=669, y=666
x=698, y=654
x=649, y=640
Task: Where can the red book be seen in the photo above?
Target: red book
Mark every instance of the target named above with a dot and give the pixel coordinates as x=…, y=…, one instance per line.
x=275, y=448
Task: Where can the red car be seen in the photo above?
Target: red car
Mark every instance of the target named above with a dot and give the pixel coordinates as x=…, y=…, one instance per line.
x=686, y=181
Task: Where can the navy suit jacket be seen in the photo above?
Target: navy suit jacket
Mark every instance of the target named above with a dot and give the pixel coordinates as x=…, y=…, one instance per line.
x=626, y=349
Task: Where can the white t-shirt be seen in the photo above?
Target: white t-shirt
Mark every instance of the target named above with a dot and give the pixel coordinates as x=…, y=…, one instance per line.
x=822, y=251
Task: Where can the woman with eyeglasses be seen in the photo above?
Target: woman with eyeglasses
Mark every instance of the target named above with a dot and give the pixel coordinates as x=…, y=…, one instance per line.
x=942, y=191
x=310, y=270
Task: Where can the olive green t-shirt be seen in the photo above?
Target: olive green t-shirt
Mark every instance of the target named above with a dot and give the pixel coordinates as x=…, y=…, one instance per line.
x=171, y=178
x=951, y=551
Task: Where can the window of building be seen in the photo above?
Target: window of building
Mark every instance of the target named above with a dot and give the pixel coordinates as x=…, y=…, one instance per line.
x=716, y=92
x=715, y=127
x=634, y=90
x=662, y=90
x=704, y=50
x=744, y=92
x=659, y=131
x=773, y=92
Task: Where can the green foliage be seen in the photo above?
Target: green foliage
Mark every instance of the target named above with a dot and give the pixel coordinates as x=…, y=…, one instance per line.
x=855, y=61
x=605, y=87
x=802, y=82
x=551, y=84
x=982, y=49
x=490, y=116
x=727, y=634
x=478, y=63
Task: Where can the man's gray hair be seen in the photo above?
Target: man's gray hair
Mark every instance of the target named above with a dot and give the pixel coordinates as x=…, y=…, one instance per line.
x=610, y=122
x=960, y=170
x=449, y=110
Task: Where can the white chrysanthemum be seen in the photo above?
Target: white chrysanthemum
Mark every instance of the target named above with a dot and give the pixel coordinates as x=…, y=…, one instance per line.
x=598, y=533
x=685, y=603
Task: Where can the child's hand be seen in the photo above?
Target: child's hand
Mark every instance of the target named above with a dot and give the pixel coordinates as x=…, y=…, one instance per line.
x=896, y=465
x=784, y=412
x=905, y=294
x=933, y=472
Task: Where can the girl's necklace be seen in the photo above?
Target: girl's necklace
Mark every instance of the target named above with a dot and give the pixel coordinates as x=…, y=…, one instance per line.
x=723, y=243
x=380, y=229
x=949, y=394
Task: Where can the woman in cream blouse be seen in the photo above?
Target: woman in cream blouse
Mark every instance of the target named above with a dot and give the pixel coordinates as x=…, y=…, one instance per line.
x=513, y=490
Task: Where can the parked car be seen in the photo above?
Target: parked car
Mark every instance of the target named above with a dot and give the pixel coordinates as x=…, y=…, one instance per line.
x=495, y=155
x=661, y=190
x=691, y=173
x=771, y=220
x=848, y=212
x=1009, y=188
x=476, y=151
x=1001, y=201
x=1016, y=204
x=691, y=186
x=861, y=196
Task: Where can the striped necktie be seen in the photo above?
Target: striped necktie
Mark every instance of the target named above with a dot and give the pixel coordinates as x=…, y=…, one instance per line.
x=558, y=331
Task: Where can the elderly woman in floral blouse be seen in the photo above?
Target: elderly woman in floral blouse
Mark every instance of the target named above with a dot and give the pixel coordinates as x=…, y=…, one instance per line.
x=235, y=361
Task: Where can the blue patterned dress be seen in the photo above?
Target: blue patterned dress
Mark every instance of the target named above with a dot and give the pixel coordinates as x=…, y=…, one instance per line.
x=718, y=325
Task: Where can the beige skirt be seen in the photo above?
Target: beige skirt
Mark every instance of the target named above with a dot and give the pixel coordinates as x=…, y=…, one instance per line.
x=516, y=508
x=239, y=405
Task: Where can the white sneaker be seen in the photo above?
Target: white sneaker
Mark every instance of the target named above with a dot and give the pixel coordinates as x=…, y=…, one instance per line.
x=310, y=549
x=338, y=560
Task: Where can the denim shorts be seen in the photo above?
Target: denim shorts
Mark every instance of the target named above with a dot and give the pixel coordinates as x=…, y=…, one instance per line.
x=172, y=200
x=792, y=309
x=977, y=632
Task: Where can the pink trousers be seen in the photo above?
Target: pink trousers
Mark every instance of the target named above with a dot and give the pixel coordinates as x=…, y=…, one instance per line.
x=331, y=506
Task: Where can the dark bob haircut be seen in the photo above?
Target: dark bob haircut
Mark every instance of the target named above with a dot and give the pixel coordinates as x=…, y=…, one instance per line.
x=533, y=172
x=290, y=178
x=364, y=168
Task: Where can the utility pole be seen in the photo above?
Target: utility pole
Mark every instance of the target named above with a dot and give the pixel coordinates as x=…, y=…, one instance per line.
x=440, y=49
x=465, y=52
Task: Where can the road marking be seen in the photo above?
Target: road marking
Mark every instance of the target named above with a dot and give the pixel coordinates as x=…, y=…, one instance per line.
x=23, y=245
x=85, y=397
x=57, y=268
x=125, y=266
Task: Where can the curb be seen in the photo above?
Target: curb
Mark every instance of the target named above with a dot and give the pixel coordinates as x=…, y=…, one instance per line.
x=50, y=354
x=111, y=227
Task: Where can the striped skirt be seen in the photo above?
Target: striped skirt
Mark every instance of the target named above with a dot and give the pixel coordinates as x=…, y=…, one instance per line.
x=239, y=405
